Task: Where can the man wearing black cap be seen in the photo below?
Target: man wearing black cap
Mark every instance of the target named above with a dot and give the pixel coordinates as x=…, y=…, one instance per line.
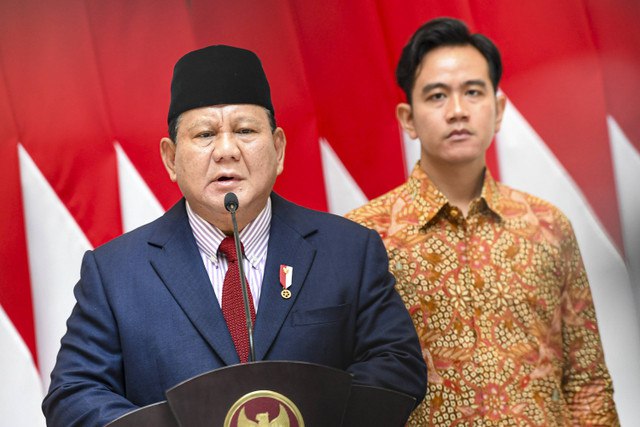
x=156, y=307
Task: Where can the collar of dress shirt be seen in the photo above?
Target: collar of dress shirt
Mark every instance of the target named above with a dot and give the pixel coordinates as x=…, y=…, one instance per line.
x=254, y=236
x=430, y=200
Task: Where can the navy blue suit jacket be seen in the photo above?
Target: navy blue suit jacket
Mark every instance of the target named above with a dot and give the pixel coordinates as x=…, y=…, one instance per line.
x=147, y=318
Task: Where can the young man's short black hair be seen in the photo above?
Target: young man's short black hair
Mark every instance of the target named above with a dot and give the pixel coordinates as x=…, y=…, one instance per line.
x=437, y=33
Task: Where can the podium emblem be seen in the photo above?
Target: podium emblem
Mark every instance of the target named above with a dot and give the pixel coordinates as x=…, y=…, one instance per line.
x=264, y=408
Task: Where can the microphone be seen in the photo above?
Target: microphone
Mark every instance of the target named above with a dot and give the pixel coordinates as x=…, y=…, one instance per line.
x=231, y=204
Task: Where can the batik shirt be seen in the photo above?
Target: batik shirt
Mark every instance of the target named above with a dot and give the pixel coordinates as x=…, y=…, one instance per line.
x=502, y=306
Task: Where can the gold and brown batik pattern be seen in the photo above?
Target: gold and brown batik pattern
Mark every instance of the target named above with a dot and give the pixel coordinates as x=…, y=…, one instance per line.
x=502, y=306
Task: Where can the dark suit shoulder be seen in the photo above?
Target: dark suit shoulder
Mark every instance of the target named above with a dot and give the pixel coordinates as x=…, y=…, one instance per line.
x=155, y=232
x=306, y=220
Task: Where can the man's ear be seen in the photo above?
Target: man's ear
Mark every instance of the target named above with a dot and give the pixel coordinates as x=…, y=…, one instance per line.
x=501, y=102
x=404, y=114
x=280, y=142
x=168, y=153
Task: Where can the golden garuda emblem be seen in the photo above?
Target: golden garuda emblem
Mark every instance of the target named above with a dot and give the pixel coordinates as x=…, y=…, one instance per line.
x=262, y=419
x=264, y=408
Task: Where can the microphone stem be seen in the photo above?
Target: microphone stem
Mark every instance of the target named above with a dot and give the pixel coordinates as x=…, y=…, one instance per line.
x=243, y=282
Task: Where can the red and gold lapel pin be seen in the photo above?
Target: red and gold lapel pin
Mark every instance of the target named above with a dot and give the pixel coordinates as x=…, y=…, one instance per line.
x=286, y=274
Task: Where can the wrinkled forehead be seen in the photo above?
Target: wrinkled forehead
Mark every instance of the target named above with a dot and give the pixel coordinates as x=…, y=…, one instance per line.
x=224, y=114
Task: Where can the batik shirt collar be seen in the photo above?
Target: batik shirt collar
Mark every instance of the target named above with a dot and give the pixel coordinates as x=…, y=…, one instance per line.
x=430, y=201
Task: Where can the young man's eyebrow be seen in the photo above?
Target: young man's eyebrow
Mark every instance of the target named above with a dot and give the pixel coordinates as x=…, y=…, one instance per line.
x=431, y=86
x=476, y=82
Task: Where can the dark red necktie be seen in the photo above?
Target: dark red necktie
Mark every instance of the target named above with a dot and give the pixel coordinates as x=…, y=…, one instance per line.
x=232, y=301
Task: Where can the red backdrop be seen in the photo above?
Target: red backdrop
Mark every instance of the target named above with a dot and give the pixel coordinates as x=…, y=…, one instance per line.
x=77, y=77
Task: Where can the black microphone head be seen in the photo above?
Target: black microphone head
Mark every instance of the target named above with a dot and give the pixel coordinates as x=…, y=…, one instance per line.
x=231, y=202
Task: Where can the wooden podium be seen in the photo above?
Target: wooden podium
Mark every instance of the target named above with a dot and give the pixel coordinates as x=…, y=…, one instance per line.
x=273, y=393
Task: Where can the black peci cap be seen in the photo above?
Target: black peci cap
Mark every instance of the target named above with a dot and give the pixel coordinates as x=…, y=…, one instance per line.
x=217, y=75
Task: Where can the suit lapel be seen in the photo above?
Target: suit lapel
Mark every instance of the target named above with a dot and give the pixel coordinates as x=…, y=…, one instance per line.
x=287, y=245
x=179, y=265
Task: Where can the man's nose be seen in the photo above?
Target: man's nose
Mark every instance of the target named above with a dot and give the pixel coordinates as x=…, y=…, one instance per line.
x=226, y=147
x=457, y=108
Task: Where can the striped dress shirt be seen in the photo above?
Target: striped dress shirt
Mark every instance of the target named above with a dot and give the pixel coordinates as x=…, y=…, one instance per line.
x=254, y=237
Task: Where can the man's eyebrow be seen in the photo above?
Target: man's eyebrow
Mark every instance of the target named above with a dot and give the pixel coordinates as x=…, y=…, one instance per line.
x=476, y=82
x=201, y=122
x=438, y=85
x=431, y=86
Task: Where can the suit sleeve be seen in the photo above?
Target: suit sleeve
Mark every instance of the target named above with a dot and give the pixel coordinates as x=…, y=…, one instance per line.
x=87, y=386
x=387, y=351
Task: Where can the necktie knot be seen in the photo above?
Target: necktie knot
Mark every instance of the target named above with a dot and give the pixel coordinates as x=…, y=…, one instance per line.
x=228, y=248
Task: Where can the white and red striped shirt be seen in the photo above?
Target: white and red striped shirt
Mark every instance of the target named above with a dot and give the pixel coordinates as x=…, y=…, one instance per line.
x=254, y=237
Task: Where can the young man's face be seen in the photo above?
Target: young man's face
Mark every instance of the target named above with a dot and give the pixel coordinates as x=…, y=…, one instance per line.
x=455, y=112
x=221, y=149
